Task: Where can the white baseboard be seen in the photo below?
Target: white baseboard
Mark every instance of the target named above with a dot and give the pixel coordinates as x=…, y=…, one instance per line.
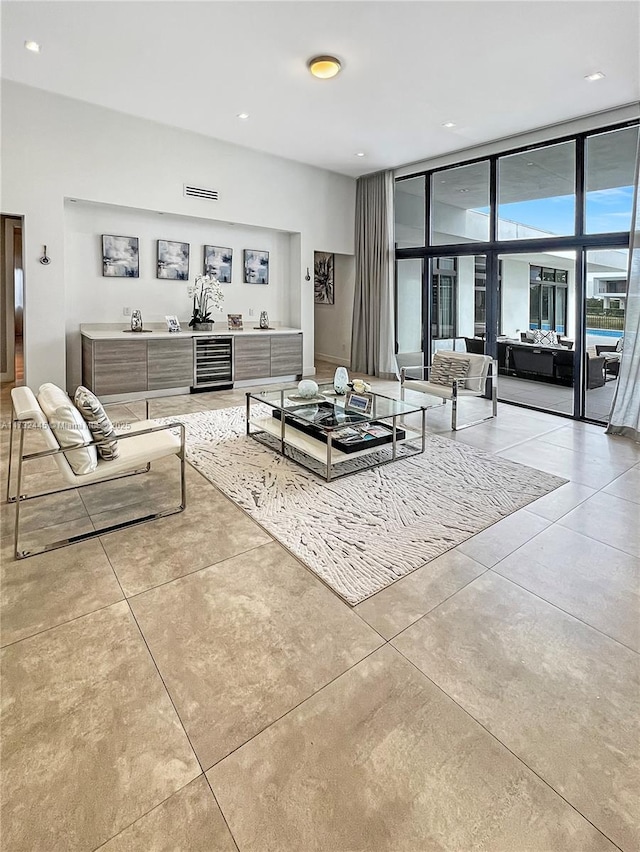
x=340, y=362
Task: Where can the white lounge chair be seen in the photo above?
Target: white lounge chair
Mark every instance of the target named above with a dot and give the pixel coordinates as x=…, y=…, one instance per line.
x=144, y=442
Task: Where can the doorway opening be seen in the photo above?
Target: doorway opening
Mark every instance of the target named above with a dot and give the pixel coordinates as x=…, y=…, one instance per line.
x=12, y=299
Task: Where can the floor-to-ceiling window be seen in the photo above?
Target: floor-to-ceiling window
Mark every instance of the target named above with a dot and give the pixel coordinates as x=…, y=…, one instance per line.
x=522, y=254
x=409, y=333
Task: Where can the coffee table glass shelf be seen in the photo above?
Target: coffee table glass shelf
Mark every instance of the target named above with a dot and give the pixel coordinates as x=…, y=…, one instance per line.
x=331, y=440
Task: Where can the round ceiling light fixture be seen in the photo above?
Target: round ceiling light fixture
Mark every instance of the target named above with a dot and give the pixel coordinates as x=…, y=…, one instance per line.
x=33, y=46
x=324, y=67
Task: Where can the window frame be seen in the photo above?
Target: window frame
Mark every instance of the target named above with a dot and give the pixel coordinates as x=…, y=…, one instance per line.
x=580, y=242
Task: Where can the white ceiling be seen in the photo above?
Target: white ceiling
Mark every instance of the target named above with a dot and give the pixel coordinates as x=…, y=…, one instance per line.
x=493, y=68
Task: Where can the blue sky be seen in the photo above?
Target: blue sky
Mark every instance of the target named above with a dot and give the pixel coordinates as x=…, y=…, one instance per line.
x=607, y=210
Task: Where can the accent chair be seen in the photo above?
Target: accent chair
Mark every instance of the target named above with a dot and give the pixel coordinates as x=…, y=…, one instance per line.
x=482, y=372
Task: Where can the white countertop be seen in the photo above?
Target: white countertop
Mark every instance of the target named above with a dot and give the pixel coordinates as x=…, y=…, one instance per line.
x=160, y=333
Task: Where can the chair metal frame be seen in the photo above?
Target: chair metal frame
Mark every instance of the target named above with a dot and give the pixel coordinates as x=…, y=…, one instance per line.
x=458, y=384
x=18, y=498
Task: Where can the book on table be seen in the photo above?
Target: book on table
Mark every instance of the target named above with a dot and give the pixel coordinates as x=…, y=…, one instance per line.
x=355, y=432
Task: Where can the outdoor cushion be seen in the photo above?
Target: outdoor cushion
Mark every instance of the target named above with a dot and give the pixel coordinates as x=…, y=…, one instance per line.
x=69, y=427
x=545, y=338
x=98, y=422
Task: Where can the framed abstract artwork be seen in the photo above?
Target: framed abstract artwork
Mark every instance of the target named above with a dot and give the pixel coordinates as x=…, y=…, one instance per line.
x=120, y=257
x=217, y=262
x=256, y=267
x=173, y=260
x=323, y=283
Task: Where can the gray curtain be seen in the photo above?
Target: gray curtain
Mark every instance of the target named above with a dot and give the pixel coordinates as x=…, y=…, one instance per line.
x=625, y=412
x=373, y=332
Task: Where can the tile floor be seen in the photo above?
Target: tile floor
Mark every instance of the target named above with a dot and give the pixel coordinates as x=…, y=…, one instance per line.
x=189, y=685
x=557, y=398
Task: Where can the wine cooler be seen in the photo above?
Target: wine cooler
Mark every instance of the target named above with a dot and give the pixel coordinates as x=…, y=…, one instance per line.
x=213, y=362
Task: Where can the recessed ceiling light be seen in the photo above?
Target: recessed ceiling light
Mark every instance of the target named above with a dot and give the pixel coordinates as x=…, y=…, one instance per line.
x=324, y=67
x=360, y=154
x=464, y=190
x=33, y=46
x=597, y=75
x=243, y=116
x=448, y=124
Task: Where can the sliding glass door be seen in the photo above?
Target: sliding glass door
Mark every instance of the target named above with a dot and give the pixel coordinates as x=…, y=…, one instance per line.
x=458, y=303
x=536, y=330
x=409, y=332
x=606, y=297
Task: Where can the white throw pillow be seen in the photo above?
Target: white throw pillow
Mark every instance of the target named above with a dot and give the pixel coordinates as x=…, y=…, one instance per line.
x=545, y=338
x=69, y=427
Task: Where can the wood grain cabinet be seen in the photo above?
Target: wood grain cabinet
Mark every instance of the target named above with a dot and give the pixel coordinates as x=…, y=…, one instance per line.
x=252, y=357
x=286, y=354
x=169, y=363
x=117, y=366
x=121, y=366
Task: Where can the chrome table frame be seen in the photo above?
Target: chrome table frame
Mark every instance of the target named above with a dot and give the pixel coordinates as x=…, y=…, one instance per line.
x=397, y=419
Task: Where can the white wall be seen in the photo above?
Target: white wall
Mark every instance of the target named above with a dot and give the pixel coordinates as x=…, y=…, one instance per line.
x=90, y=297
x=333, y=322
x=55, y=148
x=515, y=289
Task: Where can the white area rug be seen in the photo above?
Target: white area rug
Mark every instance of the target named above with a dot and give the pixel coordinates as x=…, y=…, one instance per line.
x=362, y=532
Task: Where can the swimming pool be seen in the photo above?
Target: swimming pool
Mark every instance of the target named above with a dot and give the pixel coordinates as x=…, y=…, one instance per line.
x=605, y=332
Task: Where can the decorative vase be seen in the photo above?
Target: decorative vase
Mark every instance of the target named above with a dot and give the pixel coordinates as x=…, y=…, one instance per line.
x=341, y=380
x=203, y=326
x=264, y=319
x=136, y=320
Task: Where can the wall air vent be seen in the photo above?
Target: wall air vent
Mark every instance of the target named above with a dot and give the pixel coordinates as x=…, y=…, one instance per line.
x=200, y=192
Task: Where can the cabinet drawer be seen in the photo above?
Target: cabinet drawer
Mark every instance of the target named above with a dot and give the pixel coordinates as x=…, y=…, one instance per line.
x=286, y=354
x=169, y=363
x=251, y=358
x=119, y=366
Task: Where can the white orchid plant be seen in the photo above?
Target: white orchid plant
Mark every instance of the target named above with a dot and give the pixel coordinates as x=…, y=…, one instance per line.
x=207, y=296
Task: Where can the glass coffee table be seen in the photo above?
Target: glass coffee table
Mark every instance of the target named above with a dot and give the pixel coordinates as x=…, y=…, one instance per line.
x=333, y=435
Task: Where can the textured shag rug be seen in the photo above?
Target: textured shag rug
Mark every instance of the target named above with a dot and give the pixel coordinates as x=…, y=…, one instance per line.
x=363, y=532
